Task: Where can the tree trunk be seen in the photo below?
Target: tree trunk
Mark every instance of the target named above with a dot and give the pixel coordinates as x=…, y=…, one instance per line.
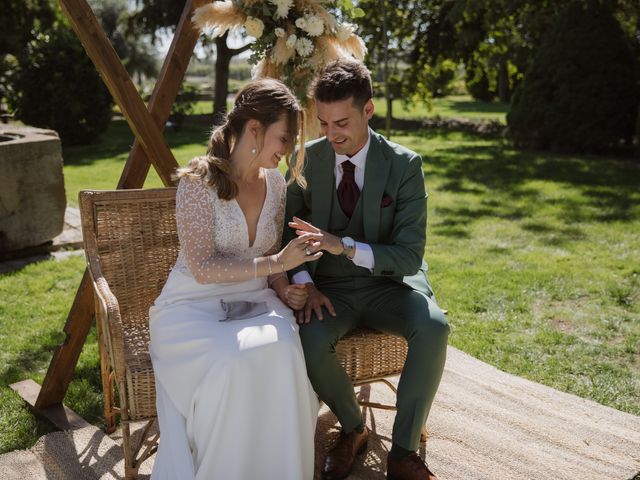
x=223, y=59
x=504, y=92
x=387, y=90
x=389, y=118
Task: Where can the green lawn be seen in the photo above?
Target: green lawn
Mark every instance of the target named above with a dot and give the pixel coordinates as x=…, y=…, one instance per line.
x=453, y=106
x=107, y=159
x=533, y=254
x=99, y=166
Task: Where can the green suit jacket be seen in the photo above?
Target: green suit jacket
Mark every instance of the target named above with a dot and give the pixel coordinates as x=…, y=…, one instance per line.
x=395, y=227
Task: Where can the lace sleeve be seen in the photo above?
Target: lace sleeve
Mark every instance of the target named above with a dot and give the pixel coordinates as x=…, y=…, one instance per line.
x=195, y=219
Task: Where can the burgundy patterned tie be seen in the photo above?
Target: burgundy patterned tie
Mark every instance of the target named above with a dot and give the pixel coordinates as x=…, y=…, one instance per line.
x=348, y=191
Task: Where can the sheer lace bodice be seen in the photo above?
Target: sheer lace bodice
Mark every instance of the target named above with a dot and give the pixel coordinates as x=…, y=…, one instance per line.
x=213, y=233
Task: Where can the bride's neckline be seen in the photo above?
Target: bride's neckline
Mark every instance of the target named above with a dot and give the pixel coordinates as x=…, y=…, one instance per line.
x=265, y=176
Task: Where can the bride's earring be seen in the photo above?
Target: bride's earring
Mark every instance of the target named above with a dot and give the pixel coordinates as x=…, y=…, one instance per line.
x=253, y=150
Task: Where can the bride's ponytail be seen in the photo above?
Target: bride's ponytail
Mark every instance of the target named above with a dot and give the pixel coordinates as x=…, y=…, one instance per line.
x=215, y=167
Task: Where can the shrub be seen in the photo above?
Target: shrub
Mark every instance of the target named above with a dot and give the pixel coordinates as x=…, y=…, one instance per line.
x=184, y=105
x=580, y=93
x=58, y=87
x=477, y=81
x=440, y=78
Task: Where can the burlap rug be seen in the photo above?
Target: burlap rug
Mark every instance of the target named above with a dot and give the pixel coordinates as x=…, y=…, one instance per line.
x=485, y=424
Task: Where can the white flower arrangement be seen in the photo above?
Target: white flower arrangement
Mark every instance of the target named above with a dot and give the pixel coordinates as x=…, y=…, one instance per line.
x=282, y=7
x=304, y=47
x=254, y=27
x=291, y=42
x=294, y=38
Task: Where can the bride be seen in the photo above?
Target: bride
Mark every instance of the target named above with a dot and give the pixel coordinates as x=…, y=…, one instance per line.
x=233, y=398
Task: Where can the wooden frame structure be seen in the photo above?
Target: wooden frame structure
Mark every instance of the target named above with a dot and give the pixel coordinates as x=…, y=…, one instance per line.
x=150, y=148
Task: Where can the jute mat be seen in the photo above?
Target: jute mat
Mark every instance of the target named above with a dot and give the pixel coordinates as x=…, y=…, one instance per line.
x=488, y=424
x=485, y=424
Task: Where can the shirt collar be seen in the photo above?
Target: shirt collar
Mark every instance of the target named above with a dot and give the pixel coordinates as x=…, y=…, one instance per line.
x=360, y=158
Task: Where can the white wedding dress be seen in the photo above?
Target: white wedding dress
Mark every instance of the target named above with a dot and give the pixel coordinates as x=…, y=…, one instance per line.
x=234, y=401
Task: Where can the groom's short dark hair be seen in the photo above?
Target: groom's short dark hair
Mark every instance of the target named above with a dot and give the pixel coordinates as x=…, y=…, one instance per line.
x=342, y=79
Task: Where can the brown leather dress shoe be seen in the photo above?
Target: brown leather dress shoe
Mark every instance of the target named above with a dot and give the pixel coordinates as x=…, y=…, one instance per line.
x=411, y=467
x=340, y=458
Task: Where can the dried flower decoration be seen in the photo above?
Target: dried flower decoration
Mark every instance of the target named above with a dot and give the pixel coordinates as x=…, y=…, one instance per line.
x=293, y=38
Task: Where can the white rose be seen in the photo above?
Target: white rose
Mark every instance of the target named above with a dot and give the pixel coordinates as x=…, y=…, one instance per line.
x=301, y=23
x=304, y=47
x=254, y=27
x=291, y=41
x=315, y=25
x=279, y=32
x=344, y=31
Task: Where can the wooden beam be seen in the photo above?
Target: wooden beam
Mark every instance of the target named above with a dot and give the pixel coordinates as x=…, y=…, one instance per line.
x=61, y=416
x=65, y=358
x=165, y=92
x=119, y=83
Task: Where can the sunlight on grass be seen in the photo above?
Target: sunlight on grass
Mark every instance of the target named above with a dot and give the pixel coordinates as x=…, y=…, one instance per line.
x=453, y=106
x=99, y=166
x=36, y=301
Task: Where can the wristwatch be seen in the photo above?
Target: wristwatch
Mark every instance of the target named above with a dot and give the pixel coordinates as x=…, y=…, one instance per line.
x=348, y=245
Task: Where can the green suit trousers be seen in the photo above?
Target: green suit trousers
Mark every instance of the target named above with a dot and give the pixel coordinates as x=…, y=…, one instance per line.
x=390, y=307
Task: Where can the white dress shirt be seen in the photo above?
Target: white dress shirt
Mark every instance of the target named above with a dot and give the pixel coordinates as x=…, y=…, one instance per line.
x=363, y=256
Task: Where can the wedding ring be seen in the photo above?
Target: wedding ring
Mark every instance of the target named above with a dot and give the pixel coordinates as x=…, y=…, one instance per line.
x=307, y=251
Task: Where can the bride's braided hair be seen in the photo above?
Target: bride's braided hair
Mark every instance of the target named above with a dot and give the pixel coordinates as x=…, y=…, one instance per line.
x=266, y=100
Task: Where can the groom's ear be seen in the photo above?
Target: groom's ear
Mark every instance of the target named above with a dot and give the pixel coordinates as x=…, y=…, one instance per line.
x=369, y=109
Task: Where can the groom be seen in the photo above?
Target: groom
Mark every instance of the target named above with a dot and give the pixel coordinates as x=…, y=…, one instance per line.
x=365, y=204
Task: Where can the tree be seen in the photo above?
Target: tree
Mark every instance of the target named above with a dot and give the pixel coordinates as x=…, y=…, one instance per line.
x=132, y=46
x=155, y=15
x=224, y=54
x=58, y=87
x=394, y=32
x=502, y=36
x=495, y=40
x=581, y=92
x=20, y=20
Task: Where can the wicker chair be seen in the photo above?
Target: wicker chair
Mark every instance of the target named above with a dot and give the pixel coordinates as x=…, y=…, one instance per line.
x=131, y=243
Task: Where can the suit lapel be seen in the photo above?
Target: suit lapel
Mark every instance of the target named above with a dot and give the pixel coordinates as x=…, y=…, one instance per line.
x=375, y=178
x=323, y=184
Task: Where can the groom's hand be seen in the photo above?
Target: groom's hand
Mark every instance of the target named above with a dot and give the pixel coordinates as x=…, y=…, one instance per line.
x=315, y=301
x=318, y=239
x=295, y=296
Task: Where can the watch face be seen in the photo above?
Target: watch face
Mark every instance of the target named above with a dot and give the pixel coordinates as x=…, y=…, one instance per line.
x=348, y=244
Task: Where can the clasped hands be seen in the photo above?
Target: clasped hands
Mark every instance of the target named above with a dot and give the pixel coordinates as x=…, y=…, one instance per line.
x=317, y=240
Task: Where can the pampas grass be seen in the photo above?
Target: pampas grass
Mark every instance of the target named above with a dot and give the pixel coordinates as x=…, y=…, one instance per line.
x=219, y=16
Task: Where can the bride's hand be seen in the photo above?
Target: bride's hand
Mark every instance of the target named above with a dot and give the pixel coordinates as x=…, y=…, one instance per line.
x=298, y=251
x=322, y=240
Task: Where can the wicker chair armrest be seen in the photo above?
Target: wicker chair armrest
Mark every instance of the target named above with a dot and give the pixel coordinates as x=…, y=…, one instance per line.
x=108, y=314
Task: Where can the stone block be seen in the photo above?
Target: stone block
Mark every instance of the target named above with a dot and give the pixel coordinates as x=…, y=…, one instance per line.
x=32, y=196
